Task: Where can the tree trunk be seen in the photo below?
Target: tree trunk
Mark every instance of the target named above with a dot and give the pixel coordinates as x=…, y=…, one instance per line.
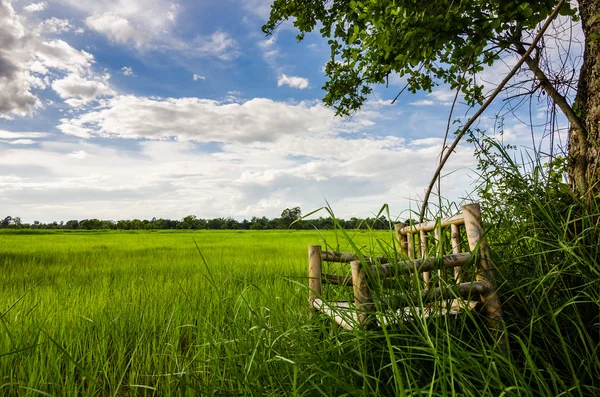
x=584, y=145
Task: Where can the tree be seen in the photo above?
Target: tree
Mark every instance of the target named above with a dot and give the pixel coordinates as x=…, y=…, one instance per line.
x=245, y=224
x=217, y=223
x=189, y=222
x=6, y=222
x=451, y=41
x=74, y=224
x=289, y=216
x=259, y=223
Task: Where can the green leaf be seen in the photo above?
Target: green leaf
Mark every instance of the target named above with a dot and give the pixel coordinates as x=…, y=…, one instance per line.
x=525, y=10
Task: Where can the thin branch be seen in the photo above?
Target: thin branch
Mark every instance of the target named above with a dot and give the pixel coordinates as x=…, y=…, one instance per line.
x=401, y=91
x=458, y=88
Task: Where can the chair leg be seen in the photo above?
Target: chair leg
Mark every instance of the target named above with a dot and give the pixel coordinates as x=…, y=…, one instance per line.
x=362, y=295
x=315, y=270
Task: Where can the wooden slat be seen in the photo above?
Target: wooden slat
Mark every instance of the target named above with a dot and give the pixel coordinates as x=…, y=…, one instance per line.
x=335, y=310
x=464, y=290
x=455, y=238
x=429, y=226
x=402, y=243
x=438, y=251
x=346, y=317
x=422, y=265
x=337, y=279
x=410, y=243
x=423, y=244
x=346, y=281
x=346, y=257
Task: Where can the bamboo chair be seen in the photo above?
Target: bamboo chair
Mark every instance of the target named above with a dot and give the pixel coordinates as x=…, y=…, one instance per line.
x=452, y=294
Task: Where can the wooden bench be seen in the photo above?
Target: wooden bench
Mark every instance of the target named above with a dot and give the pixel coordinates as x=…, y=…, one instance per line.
x=453, y=287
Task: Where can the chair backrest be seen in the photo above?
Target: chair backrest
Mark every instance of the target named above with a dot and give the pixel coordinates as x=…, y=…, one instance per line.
x=418, y=255
x=414, y=242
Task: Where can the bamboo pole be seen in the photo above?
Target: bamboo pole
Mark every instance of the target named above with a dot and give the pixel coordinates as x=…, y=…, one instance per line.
x=315, y=269
x=429, y=226
x=346, y=257
x=402, y=240
x=423, y=248
x=362, y=294
x=337, y=279
x=335, y=310
x=463, y=290
x=485, y=272
x=439, y=251
x=420, y=265
x=410, y=244
x=455, y=238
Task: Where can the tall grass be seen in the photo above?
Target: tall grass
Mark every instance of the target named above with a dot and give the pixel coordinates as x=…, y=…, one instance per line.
x=160, y=314
x=547, y=247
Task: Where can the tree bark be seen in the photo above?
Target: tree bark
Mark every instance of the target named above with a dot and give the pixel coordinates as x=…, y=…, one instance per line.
x=584, y=146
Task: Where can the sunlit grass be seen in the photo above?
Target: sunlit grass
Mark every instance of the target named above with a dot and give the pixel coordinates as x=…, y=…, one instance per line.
x=108, y=313
x=226, y=313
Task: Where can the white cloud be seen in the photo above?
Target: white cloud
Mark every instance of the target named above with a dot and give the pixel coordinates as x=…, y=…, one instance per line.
x=78, y=91
x=204, y=120
x=15, y=95
x=56, y=25
x=269, y=154
x=198, y=77
x=268, y=43
x=29, y=62
x=36, y=7
x=174, y=179
x=443, y=95
x=116, y=28
x=69, y=128
x=143, y=23
x=269, y=51
x=259, y=8
x=16, y=83
x=16, y=135
x=428, y=142
x=424, y=102
x=292, y=81
x=60, y=55
x=219, y=44
x=78, y=154
x=22, y=142
x=127, y=71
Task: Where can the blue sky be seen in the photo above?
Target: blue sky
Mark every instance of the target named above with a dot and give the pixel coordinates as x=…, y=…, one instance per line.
x=140, y=108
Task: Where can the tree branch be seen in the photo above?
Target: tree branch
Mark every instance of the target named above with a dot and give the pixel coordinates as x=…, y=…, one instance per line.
x=498, y=89
x=552, y=92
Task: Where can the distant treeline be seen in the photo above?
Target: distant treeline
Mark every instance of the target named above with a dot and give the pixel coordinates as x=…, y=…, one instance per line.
x=290, y=219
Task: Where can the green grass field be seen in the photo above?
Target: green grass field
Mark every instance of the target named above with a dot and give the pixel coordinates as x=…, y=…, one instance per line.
x=143, y=313
x=225, y=313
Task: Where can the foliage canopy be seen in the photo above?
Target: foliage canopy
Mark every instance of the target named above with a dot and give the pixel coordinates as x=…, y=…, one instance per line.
x=425, y=41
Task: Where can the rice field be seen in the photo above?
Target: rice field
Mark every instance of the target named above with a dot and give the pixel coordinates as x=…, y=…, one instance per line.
x=225, y=313
x=155, y=313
